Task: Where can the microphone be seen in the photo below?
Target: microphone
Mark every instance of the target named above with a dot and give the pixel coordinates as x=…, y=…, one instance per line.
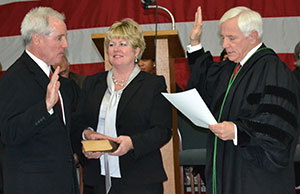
x=147, y=3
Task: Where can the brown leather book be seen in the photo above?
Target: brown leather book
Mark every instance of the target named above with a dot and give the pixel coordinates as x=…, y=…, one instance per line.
x=99, y=145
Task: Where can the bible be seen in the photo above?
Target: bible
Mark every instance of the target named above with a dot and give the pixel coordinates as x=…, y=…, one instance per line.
x=99, y=145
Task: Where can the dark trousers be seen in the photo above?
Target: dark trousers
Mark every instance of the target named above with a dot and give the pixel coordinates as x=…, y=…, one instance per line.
x=118, y=187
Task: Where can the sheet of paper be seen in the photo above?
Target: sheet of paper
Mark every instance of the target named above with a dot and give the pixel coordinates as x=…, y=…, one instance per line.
x=191, y=104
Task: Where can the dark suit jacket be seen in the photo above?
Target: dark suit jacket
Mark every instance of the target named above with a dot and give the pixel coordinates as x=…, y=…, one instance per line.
x=38, y=155
x=143, y=114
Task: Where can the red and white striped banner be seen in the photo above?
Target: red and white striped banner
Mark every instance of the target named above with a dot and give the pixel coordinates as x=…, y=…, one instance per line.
x=281, y=25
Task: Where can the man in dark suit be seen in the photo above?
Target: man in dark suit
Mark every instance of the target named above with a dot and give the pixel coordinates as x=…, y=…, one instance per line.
x=35, y=112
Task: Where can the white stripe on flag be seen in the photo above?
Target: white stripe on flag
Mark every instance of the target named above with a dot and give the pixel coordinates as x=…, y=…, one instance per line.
x=3, y=2
x=280, y=34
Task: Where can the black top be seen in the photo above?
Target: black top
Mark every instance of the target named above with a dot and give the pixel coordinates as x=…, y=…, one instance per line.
x=143, y=114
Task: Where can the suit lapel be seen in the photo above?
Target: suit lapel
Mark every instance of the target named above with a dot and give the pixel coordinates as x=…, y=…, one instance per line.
x=38, y=74
x=129, y=92
x=41, y=79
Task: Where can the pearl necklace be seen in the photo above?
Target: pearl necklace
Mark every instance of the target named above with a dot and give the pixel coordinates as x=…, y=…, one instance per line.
x=121, y=83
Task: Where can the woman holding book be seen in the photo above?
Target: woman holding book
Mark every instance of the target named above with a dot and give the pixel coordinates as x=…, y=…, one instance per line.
x=124, y=105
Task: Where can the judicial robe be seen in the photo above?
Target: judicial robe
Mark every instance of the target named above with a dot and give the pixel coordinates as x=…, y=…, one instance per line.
x=263, y=102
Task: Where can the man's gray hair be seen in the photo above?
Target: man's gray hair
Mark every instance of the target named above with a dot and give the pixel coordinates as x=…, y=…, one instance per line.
x=37, y=21
x=248, y=20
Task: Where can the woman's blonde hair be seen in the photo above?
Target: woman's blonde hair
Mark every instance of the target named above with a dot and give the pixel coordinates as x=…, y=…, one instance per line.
x=130, y=31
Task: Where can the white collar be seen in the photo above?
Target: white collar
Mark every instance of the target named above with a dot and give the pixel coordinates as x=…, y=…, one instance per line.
x=250, y=53
x=40, y=63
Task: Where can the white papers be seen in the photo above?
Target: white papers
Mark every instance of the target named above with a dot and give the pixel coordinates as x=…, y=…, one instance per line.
x=191, y=104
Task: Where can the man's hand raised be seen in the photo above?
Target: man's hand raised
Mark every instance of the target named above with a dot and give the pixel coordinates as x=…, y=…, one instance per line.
x=196, y=31
x=52, y=95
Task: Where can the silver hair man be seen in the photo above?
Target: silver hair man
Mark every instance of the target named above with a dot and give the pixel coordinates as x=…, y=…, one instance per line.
x=37, y=21
x=248, y=20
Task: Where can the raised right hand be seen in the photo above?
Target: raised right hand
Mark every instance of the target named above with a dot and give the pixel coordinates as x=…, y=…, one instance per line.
x=196, y=31
x=52, y=95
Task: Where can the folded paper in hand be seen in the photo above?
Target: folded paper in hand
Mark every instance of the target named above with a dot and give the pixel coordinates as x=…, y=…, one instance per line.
x=99, y=145
x=191, y=104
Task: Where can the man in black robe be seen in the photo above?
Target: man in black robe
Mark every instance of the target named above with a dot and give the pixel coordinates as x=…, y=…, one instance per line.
x=251, y=149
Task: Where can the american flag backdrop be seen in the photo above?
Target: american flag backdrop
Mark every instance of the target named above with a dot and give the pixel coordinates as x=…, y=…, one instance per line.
x=83, y=17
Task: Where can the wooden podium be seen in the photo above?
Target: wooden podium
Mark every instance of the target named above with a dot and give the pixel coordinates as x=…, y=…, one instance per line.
x=168, y=48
